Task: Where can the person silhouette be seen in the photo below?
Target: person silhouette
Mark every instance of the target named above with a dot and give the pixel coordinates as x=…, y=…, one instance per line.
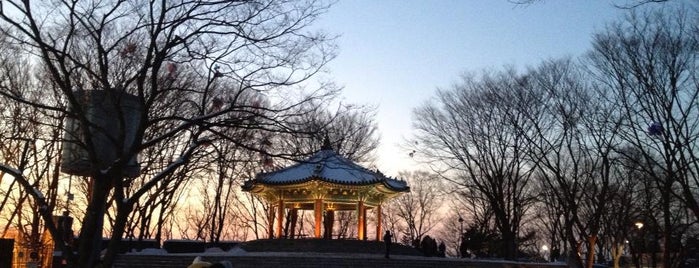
x=387, y=239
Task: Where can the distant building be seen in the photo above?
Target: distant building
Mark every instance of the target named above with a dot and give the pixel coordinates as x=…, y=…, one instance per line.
x=26, y=255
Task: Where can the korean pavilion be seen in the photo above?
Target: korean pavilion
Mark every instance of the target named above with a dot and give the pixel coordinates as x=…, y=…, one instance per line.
x=326, y=182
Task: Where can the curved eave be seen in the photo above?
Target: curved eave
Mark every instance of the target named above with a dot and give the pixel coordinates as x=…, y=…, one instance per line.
x=325, y=174
x=313, y=178
x=257, y=186
x=393, y=188
x=325, y=165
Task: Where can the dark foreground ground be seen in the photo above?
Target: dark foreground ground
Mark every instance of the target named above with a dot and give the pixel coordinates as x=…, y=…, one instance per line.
x=310, y=253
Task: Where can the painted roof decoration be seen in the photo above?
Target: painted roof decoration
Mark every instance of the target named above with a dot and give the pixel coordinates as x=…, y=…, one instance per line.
x=326, y=165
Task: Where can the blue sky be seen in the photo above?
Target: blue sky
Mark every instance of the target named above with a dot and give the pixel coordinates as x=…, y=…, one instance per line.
x=395, y=54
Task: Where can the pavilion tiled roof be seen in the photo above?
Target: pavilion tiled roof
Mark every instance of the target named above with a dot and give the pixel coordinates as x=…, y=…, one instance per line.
x=327, y=165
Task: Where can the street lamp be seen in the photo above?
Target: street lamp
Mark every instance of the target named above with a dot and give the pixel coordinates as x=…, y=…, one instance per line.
x=461, y=236
x=545, y=249
x=639, y=226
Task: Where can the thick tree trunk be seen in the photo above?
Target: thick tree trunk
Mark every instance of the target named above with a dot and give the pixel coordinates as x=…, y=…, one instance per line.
x=123, y=211
x=591, y=242
x=510, y=245
x=573, y=259
x=509, y=236
x=617, y=251
x=93, y=223
x=667, y=223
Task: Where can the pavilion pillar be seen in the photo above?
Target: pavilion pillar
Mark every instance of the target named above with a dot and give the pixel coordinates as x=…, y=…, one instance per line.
x=361, y=221
x=364, y=221
x=328, y=223
x=280, y=217
x=378, y=222
x=318, y=213
x=294, y=217
x=270, y=229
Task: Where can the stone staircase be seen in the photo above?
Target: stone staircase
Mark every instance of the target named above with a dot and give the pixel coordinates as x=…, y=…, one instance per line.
x=326, y=246
x=312, y=260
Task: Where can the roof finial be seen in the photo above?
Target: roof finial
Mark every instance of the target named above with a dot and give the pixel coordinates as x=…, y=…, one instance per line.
x=326, y=143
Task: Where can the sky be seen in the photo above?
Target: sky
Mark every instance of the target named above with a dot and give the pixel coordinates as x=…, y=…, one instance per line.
x=395, y=54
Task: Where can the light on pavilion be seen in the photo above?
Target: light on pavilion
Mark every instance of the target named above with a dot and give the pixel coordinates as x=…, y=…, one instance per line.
x=325, y=183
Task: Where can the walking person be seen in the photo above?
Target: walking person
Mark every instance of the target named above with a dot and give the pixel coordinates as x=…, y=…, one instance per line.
x=387, y=239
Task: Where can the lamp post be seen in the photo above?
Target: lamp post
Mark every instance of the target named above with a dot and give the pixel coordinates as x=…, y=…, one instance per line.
x=639, y=226
x=545, y=249
x=461, y=236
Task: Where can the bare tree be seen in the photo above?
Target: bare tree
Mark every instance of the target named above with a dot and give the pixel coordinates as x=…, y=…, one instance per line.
x=626, y=4
x=649, y=61
x=30, y=141
x=471, y=134
x=157, y=206
x=152, y=51
x=257, y=216
x=418, y=210
x=573, y=145
x=350, y=129
x=629, y=195
x=549, y=214
x=218, y=187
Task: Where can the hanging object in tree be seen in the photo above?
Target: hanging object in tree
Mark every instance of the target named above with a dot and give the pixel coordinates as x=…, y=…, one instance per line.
x=113, y=117
x=655, y=129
